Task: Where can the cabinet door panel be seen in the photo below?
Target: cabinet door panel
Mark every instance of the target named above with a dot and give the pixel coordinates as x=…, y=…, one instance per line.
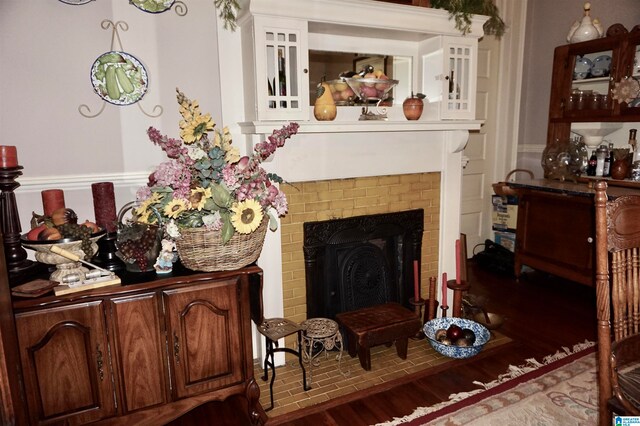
x=205, y=329
x=65, y=361
x=139, y=350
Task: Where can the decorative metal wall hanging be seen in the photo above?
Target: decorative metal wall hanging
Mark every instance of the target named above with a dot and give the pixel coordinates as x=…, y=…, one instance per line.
x=118, y=77
x=159, y=6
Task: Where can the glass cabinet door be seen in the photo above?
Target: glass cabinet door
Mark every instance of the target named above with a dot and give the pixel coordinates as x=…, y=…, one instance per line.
x=460, y=87
x=281, y=69
x=590, y=70
x=631, y=73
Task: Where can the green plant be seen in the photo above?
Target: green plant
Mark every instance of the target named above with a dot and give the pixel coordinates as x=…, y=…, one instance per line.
x=463, y=10
x=228, y=11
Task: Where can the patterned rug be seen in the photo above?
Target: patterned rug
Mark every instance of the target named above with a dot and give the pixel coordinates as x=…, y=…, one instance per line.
x=560, y=390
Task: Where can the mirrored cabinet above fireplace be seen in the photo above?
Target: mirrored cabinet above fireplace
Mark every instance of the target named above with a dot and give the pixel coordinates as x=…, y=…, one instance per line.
x=284, y=42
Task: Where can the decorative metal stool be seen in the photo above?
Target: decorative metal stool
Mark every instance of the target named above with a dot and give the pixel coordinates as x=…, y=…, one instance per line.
x=274, y=329
x=321, y=333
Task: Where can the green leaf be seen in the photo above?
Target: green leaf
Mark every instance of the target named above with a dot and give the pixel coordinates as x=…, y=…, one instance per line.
x=227, y=229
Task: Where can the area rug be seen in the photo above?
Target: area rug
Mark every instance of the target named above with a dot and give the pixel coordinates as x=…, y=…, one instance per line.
x=560, y=390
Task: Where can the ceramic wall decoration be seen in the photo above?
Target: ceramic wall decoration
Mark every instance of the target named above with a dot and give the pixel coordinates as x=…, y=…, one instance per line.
x=118, y=77
x=586, y=28
x=159, y=6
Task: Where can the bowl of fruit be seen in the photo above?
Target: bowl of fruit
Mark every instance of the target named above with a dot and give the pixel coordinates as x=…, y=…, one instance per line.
x=62, y=229
x=456, y=337
x=341, y=92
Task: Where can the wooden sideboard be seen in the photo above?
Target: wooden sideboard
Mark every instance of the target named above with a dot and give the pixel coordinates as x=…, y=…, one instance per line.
x=145, y=352
x=556, y=227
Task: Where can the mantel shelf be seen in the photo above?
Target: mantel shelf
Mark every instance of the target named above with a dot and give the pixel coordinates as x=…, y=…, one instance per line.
x=266, y=127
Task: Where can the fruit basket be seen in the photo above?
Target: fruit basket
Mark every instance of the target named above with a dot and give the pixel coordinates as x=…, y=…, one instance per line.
x=64, y=266
x=432, y=329
x=372, y=91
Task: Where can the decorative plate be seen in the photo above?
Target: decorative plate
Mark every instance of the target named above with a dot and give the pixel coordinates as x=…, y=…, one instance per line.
x=153, y=6
x=75, y=2
x=582, y=68
x=119, y=78
x=601, y=66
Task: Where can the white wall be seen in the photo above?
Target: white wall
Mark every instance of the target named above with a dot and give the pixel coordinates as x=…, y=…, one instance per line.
x=46, y=51
x=548, y=22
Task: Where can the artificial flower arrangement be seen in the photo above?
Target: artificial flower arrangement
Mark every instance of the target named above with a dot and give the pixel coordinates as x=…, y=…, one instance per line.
x=206, y=183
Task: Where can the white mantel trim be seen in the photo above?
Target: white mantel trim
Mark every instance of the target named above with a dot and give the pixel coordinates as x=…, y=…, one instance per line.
x=265, y=127
x=367, y=14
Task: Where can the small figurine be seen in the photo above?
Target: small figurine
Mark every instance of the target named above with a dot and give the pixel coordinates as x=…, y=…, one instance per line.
x=168, y=255
x=585, y=29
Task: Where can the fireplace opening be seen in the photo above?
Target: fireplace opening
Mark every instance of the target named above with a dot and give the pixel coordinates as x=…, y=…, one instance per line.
x=361, y=261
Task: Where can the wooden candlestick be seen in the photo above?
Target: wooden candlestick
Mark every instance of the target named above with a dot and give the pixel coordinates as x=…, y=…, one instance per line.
x=15, y=254
x=417, y=308
x=444, y=311
x=458, y=289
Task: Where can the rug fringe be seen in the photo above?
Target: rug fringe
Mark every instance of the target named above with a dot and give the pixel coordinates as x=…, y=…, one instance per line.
x=512, y=373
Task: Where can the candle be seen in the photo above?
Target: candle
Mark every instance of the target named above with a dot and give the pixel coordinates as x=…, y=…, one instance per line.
x=8, y=156
x=457, y=261
x=444, y=289
x=416, y=282
x=104, y=205
x=52, y=199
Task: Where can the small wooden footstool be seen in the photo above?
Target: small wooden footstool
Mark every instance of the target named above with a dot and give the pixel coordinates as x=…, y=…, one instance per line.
x=375, y=325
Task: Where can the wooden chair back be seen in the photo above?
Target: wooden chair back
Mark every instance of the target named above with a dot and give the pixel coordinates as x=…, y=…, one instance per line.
x=617, y=232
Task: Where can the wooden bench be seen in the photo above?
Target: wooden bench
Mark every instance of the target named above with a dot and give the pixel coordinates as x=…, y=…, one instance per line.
x=375, y=325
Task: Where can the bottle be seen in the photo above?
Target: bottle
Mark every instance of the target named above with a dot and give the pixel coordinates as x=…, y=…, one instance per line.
x=282, y=78
x=601, y=154
x=611, y=159
x=593, y=162
x=606, y=170
x=634, y=146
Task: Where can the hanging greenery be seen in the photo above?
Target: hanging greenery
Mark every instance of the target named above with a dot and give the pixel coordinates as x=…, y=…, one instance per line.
x=463, y=10
x=228, y=12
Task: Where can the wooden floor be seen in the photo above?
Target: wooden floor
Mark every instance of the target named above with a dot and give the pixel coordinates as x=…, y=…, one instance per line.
x=542, y=314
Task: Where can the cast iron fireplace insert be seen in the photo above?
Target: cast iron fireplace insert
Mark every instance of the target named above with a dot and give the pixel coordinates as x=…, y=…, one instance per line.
x=361, y=261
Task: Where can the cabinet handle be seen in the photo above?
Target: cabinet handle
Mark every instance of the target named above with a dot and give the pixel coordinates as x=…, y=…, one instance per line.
x=176, y=347
x=99, y=362
x=589, y=239
x=305, y=71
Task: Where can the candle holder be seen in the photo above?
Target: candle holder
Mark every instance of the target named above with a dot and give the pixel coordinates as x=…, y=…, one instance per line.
x=444, y=310
x=106, y=257
x=458, y=290
x=15, y=254
x=417, y=308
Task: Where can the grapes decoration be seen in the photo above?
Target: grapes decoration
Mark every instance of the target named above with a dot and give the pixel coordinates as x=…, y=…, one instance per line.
x=137, y=243
x=78, y=232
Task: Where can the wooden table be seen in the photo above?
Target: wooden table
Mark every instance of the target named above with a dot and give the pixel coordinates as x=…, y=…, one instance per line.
x=375, y=325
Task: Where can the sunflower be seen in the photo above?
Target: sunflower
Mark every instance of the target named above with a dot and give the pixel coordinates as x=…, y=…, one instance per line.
x=246, y=216
x=199, y=197
x=175, y=207
x=193, y=130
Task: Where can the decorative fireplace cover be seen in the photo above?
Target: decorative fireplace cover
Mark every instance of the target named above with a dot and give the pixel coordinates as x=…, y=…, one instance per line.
x=361, y=261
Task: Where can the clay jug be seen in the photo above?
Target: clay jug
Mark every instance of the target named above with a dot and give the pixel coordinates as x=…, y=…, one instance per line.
x=620, y=168
x=324, y=108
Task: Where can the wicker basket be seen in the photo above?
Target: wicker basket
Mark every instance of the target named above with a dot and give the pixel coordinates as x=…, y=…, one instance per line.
x=503, y=189
x=202, y=250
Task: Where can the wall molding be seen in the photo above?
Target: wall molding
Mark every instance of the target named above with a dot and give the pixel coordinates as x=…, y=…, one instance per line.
x=82, y=182
x=531, y=148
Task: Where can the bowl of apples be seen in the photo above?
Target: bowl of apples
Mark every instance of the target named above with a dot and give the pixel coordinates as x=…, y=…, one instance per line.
x=456, y=337
x=341, y=92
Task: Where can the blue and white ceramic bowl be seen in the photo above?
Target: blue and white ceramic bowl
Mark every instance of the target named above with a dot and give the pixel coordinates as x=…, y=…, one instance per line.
x=453, y=351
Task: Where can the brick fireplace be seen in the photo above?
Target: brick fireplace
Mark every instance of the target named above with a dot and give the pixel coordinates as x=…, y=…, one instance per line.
x=347, y=198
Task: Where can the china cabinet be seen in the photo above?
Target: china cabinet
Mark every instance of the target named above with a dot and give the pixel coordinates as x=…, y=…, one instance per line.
x=584, y=75
x=144, y=352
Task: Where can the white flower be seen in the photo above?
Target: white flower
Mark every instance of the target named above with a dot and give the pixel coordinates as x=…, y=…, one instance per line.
x=212, y=221
x=172, y=229
x=195, y=152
